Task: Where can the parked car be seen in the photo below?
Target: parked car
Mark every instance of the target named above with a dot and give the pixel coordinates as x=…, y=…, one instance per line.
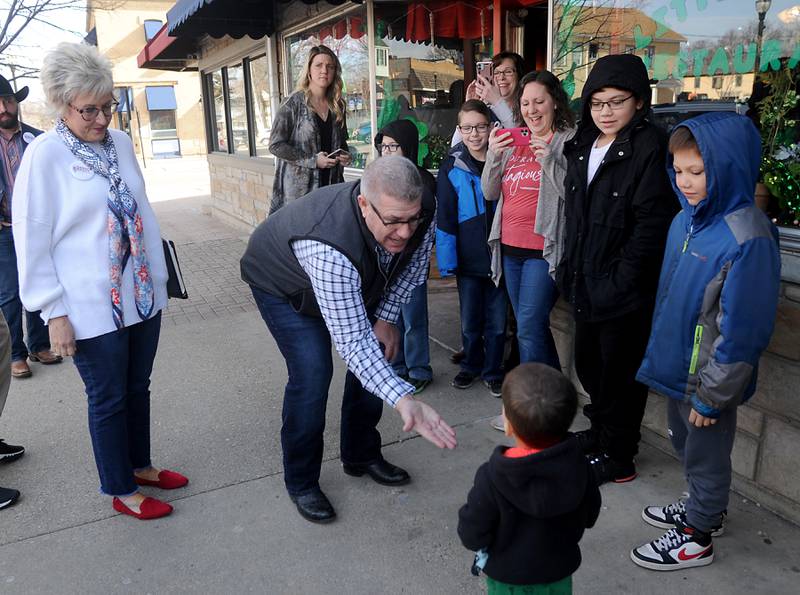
x=669, y=115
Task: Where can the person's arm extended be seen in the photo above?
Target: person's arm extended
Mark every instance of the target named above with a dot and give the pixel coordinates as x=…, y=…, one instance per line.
x=748, y=305
x=479, y=517
x=414, y=275
x=280, y=139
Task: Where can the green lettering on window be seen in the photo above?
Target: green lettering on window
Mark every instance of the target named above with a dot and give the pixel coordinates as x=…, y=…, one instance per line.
x=795, y=56
x=699, y=60
x=681, y=67
x=771, y=55
x=661, y=67
x=641, y=41
x=702, y=4
x=659, y=16
x=720, y=62
x=680, y=9
x=740, y=64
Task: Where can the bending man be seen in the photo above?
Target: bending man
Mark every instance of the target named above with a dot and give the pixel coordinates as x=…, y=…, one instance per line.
x=336, y=265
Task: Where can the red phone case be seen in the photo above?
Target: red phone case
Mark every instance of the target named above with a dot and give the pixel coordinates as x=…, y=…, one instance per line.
x=521, y=136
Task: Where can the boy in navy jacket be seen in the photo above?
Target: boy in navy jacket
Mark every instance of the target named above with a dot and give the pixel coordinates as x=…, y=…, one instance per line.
x=463, y=223
x=715, y=312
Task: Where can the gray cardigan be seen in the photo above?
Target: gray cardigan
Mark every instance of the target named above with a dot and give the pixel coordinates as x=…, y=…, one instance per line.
x=550, y=210
x=295, y=141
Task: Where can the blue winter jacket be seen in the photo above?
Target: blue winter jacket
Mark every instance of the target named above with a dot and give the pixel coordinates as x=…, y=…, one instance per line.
x=464, y=218
x=718, y=290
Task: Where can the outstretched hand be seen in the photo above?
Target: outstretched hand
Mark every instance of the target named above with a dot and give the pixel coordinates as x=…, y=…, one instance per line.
x=428, y=424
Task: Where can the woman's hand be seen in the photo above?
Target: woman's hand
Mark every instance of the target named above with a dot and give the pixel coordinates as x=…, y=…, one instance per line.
x=62, y=336
x=344, y=159
x=499, y=142
x=325, y=162
x=540, y=148
x=487, y=90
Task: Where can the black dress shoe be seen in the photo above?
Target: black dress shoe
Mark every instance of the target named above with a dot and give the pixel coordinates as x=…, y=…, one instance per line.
x=381, y=471
x=315, y=507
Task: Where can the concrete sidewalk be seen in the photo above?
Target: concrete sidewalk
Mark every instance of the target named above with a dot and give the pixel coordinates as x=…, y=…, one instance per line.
x=217, y=391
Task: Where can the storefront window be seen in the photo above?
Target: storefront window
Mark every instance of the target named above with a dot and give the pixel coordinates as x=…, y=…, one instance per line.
x=236, y=91
x=260, y=101
x=219, y=140
x=694, y=50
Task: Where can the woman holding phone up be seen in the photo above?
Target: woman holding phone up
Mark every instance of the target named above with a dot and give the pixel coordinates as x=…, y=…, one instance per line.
x=525, y=171
x=309, y=134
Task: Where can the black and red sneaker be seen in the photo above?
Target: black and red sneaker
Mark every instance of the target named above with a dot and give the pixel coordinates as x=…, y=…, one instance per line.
x=607, y=470
x=681, y=547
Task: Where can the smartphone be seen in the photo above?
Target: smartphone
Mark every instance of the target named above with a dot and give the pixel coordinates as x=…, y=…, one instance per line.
x=336, y=153
x=521, y=136
x=484, y=69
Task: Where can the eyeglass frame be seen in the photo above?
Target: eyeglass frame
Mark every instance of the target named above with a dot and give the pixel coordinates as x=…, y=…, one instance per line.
x=392, y=148
x=473, y=128
x=112, y=107
x=609, y=103
x=504, y=72
x=413, y=222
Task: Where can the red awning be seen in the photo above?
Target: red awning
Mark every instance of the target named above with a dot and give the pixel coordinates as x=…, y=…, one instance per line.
x=455, y=20
x=164, y=52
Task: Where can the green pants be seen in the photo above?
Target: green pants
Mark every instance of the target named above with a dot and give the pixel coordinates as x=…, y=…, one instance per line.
x=562, y=587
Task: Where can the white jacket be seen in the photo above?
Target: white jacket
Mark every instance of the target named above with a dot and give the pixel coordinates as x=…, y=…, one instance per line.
x=60, y=217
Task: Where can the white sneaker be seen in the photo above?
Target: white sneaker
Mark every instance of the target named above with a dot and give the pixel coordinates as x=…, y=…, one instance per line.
x=680, y=547
x=664, y=517
x=498, y=423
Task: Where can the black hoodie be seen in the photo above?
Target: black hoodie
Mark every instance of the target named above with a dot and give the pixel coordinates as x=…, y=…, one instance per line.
x=616, y=227
x=407, y=136
x=530, y=513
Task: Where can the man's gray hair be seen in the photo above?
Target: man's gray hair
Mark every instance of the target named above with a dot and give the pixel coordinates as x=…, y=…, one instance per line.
x=393, y=176
x=73, y=69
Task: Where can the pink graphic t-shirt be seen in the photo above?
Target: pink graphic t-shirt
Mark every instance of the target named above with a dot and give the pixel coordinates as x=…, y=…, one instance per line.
x=521, y=180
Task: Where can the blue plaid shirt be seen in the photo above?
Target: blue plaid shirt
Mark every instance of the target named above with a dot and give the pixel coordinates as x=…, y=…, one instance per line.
x=337, y=287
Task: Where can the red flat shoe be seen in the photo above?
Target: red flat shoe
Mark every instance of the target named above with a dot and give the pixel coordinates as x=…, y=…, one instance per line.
x=150, y=509
x=167, y=480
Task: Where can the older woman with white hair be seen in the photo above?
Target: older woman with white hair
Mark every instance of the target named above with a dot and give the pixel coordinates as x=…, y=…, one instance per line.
x=91, y=259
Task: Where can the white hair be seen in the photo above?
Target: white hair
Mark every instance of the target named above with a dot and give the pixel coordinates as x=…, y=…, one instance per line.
x=393, y=176
x=73, y=69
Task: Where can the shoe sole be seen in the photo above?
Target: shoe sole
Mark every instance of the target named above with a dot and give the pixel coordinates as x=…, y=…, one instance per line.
x=8, y=503
x=355, y=473
x=33, y=358
x=11, y=457
x=665, y=525
x=316, y=521
x=669, y=567
x=625, y=479
x=21, y=374
x=462, y=386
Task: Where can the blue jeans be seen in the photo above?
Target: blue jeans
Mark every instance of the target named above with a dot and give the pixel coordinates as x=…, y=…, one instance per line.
x=533, y=294
x=305, y=344
x=483, y=326
x=115, y=369
x=38, y=336
x=414, y=357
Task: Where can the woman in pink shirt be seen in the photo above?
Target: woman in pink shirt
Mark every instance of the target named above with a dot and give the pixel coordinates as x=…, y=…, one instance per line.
x=527, y=234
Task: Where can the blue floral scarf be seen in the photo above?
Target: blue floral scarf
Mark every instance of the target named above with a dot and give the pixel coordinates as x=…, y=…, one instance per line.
x=125, y=230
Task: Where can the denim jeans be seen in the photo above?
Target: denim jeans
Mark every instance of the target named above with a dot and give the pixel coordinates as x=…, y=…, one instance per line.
x=414, y=357
x=305, y=344
x=483, y=326
x=38, y=336
x=115, y=369
x=533, y=294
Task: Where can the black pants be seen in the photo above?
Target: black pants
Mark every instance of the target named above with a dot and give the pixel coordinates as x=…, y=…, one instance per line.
x=607, y=356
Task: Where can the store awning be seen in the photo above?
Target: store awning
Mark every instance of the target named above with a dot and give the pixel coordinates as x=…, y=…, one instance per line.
x=162, y=97
x=165, y=52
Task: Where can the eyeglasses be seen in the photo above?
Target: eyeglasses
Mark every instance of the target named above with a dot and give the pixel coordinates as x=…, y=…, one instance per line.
x=467, y=130
x=390, y=148
x=413, y=222
x=90, y=113
x=614, y=104
x=505, y=72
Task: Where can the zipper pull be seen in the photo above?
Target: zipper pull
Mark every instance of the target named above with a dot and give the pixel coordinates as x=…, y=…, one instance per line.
x=688, y=237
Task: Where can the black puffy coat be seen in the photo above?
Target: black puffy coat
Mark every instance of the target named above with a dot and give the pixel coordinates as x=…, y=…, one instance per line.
x=616, y=228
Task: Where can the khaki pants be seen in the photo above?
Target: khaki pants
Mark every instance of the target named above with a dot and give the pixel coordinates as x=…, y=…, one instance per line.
x=5, y=361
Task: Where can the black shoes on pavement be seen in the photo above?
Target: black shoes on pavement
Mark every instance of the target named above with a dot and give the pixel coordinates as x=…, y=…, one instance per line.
x=381, y=471
x=8, y=453
x=606, y=469
x=314, y=506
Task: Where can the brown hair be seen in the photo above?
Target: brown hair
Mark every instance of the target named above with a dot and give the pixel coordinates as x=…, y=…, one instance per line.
x=564, y=117
x=334, y=91
x=682, y=139
x=519, y=66
x=540, y=403
x=475, y=105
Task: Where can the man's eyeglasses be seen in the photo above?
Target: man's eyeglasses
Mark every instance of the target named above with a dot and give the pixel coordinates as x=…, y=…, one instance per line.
x=504, y=72
x=614, y=104
x=390, y=148
x=467, y=130
x=90, y=113
x=413, y=222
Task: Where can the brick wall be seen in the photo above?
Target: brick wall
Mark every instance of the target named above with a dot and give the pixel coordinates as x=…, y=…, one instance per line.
x=240, y=189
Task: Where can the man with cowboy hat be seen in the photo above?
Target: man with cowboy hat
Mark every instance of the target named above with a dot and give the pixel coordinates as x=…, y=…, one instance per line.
x=14, y=139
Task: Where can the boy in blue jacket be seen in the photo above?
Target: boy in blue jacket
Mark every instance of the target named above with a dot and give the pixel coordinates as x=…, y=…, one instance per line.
x=464, y=220
x=715, y=312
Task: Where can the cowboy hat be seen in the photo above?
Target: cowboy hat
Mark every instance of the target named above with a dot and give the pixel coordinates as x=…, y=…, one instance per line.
x=6, y=90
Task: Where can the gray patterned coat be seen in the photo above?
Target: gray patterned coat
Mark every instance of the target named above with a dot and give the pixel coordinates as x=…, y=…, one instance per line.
x=295, y=141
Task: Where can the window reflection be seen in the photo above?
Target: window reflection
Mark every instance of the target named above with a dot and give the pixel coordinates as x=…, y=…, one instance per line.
x=240, y=141
x=260, y=101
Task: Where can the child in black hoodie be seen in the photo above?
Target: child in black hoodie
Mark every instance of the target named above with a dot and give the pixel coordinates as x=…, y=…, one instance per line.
x=531, y=503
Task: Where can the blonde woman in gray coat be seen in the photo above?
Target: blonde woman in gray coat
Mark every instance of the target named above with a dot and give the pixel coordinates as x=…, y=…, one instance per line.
x=527, y=235
x=309, y=134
